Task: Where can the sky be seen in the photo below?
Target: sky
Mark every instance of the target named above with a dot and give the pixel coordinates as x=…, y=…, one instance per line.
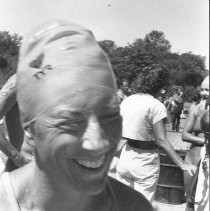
x=185, y=23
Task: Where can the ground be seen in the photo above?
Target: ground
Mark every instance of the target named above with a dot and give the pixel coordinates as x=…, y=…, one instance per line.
x=175, y=137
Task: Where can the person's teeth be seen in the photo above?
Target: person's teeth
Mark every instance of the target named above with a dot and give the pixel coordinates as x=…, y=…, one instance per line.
x=92, y=164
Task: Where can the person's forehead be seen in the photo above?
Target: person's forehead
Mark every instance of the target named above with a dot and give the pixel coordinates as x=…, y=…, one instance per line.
x=205, y=86
x=205, y=82
x=84, y=102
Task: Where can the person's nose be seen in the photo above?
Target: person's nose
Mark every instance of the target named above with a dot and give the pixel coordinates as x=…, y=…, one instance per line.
x=204, y=93
x=94, y=139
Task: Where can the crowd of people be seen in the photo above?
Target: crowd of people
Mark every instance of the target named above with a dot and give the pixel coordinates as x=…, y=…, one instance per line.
x=137, y=165
x=61, y=135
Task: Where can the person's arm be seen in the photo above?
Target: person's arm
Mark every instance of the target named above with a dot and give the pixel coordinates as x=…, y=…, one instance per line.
x=120, y=145
x=187, y=135
x=14, y=127
x=8, y=108
x=161, y=139
x=166, y=103
x=7, y=96
x=9, y=150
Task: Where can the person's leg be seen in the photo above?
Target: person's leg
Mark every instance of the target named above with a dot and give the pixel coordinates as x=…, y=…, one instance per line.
x=127, y=181
x=123, y=166
x=192, y=157
x=146, y=174
x=173, y=120
x=178, y=122
x=202, y=188
x=148, y=188
x=2, y=162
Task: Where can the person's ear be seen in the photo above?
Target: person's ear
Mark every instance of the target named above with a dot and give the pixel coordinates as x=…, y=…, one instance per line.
x=29, y=136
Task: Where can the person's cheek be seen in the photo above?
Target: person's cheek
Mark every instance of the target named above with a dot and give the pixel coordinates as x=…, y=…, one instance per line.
x=202, y=92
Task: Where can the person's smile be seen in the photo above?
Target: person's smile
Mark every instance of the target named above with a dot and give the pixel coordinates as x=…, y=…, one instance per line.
x=91, y=163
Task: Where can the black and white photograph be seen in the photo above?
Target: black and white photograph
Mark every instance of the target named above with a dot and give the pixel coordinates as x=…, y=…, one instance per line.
x=104, y=105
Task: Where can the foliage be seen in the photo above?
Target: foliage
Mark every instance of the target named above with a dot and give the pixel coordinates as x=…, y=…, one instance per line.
x=3, y=62
x=155, y=40
x=185, y=69
x=108, y=46
x=191, y=94
x=128, y=62
x=9, y=48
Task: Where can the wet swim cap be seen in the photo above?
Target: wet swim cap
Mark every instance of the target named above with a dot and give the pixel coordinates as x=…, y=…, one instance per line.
x=56, y=59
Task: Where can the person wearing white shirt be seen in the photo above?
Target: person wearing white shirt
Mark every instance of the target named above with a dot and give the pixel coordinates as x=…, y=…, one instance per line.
x=143, y=132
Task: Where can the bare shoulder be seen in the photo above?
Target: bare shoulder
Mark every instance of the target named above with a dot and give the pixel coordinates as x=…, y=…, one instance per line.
x=193, y=114
x=129, y=199
x=4, y=203
x=194, y=110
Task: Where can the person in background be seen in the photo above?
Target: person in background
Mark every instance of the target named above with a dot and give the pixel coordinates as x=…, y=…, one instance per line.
x=205, y=93
x=169, y=105
x=177, y=107
x=202, y=189
x=161, y=96
x=196, y=98
x=10, y=112
x=122, y=93
x=123, y=90
x=143, y=132
x=74, y=127
x=193, y=134
x=3, y=65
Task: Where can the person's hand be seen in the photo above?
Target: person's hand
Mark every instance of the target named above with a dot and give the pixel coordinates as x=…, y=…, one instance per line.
x=22, y=159
x=189, y=167
x=114, y=163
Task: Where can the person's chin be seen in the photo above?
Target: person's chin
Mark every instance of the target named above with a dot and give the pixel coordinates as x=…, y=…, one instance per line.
x=89, y=176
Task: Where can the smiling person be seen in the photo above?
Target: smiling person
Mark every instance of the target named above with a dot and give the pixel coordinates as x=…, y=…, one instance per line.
x=202, y=188
x=193, y=134
x=74, y=127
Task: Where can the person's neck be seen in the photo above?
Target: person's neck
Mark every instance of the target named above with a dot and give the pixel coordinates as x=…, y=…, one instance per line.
x=40, y=193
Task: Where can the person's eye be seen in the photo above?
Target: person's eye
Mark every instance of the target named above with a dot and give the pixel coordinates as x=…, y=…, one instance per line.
x=73, y=127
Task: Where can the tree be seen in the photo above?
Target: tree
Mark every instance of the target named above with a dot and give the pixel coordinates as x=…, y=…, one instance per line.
x=192, y=61
x=3, y=62
x=193, y=68
x=9, y=44
x=186, y=69
x=9, y=50
x=155, y=43
x=108, y=46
